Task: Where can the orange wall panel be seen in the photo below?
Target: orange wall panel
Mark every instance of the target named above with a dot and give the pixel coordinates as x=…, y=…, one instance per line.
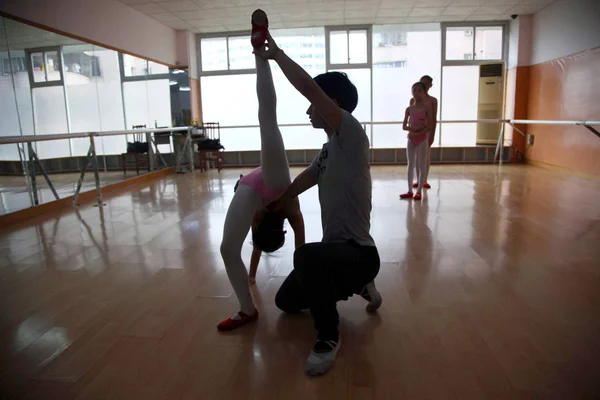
x=565, y=89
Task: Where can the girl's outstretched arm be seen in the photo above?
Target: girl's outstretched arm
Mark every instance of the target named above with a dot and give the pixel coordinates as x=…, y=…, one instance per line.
x=304, y=83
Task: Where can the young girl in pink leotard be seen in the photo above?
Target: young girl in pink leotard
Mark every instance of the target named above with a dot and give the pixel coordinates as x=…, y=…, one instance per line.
x=416, y=120
x=252, y=193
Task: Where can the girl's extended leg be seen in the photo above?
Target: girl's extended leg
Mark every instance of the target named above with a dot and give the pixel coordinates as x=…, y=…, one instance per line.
x=238, y=221
x=274, y=162
x=422, y=161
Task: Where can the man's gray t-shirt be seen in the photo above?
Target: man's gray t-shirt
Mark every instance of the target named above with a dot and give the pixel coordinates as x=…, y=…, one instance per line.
x=344, y=179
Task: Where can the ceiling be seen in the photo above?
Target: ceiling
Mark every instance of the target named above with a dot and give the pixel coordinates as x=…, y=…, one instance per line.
x=234, y=15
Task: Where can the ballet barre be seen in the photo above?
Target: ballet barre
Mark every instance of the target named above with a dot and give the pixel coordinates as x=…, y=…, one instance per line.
x=185, y=155
x=588, y=124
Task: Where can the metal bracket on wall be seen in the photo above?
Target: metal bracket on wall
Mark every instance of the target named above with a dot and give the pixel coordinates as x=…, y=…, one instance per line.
x=592, y=129
x=517, y=129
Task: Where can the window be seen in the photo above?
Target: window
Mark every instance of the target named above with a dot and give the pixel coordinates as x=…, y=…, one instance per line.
x=224, y=91
x=459, y=43
x=390, y=64
x=229, y=53
x=488, y=43
x=465, y=47
x=305, y=46
x=338, y=44
x=460, y=96
x=348, y=46
x=474, y=42
x=214, y=54
x=240, y=53
x=395, y=68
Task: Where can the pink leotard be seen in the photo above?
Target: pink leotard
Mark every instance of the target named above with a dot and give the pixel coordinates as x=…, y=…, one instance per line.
x=418, y=117
x=255, y=180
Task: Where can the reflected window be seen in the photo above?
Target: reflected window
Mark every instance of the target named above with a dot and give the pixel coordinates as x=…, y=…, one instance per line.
x=45, y=67
x=134, y=66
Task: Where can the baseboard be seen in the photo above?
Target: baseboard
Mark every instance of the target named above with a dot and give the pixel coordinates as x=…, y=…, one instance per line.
x=564, y=170
x=46, y=210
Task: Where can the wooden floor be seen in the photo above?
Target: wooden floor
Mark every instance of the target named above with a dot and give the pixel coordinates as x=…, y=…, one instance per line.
x=14, y=195
x=491, y=290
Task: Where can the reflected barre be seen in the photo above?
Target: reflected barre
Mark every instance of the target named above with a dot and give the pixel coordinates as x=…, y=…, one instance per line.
x=61, y=136
x=30, y=160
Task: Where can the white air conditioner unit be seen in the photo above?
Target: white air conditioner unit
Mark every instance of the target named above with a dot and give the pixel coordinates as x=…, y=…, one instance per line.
x=491, y=101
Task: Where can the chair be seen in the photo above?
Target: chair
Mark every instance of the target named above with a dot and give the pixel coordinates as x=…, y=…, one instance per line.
x=140, y=159
x=210, y=155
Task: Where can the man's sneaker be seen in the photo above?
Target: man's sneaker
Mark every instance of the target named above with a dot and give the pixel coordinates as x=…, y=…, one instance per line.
x=372, y=295
x=322, y=357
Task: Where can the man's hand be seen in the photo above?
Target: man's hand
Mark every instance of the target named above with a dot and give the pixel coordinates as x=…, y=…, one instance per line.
x=269, y=50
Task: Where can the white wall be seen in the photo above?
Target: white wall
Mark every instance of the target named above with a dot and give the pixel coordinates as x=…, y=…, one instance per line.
x=564, y=28
x=187, y=53
x=181, y=47
x=519, y=41
x=107, y=22
x=525, y=39
x=513, y=43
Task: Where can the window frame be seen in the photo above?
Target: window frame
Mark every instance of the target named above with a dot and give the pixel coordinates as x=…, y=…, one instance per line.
x=226, y=36
x=329, y=66
x=474, y=25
